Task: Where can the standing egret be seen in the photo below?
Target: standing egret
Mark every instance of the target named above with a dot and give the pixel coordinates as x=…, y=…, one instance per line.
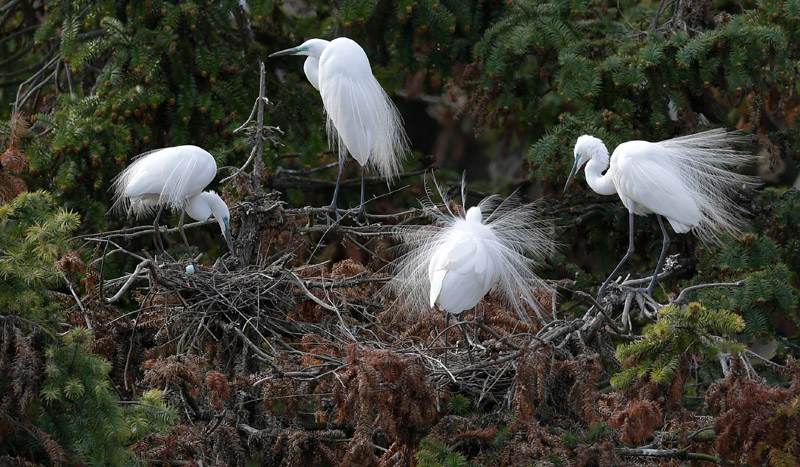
x=172, y=177
x=453, y=263
x=361, y=118
x=683, y=179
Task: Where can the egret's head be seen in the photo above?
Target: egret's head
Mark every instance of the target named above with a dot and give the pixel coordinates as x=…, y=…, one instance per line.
x=310, y=48
x=206, y=204
x=226, y=231
x=584, y=150
x=474, y=215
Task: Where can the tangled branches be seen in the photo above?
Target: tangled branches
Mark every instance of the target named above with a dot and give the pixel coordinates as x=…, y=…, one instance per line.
x=295, y=359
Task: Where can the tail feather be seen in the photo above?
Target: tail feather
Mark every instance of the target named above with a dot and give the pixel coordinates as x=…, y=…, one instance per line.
x=363, y=102
x=523, y=240
x=703, y=160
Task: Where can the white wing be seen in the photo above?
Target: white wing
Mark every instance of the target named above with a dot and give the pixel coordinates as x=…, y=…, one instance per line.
x=646, y=184
x=361, y=117
x=461, y=273
x=171, y=175
x=686, y=179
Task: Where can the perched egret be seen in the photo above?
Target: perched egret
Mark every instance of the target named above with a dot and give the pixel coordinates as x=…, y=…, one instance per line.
x=172, y=177
x=683, y=179
x=361, y=118
x=453, y=263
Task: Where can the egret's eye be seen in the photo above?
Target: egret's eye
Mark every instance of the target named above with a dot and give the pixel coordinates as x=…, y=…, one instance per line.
x=226, y=221
x=303, y=48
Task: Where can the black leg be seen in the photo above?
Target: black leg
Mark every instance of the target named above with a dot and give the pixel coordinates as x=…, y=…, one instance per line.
x=157, y=230
x=624, y=258
x=332, y=206
x=463, y=327
x=361, y=206
x=661, y=257
x=183, y=234
x=446, y=327
x=483, y=319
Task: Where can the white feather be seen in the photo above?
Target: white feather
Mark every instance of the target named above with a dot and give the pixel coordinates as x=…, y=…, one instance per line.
x=455, y=261
x=361, y=118
x=166, y=177
x=684, y=179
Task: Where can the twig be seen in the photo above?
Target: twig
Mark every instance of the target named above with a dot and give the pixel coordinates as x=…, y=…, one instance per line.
x=666, y=453
x=682, y=296
x=80, y=304
x=327, y=306
x=131, y=278
x=258, y=149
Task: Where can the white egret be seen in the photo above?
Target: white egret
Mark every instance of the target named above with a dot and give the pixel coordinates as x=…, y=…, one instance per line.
x=174, y=178
x=683, y=179
x=453, y=263
x=361, y=119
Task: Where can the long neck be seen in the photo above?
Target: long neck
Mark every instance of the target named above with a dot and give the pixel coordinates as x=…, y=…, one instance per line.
x=220, y=210
x=203, y=205
x=601, y=184
x=311, y=68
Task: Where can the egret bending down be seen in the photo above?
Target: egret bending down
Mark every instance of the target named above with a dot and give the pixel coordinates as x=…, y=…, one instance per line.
x=172, y=177
x=683, y=179
x=362, y=119
x=455, y=262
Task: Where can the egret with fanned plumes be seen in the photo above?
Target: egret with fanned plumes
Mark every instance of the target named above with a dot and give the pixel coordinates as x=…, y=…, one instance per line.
x=453, y=263
x=683, y=179
x=173, y=178
x=361, y=119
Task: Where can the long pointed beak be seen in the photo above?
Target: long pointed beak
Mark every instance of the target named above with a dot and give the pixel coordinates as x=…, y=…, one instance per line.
x=228, y=239
x=291, y=51
x=571, y=175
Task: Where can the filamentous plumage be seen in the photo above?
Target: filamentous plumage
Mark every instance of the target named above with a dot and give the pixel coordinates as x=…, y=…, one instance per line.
x=172, y=178
x=361, y=118
x=684, y=179
x=163, y=177
x=509, y=239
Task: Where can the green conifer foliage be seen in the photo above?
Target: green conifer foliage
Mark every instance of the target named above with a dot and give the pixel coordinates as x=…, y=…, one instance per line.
x=767, y=261
x=137, y=76
x=78, y=405
x=34, y=235
x=679, y=334
x=70, y=414
x=81, y=410
x=567, y=69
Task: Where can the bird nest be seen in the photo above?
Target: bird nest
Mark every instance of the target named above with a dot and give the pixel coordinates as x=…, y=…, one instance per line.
x=288, y=334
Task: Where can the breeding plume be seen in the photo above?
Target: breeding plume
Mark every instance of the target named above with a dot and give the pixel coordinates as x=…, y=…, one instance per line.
x=453, y=263
x=362, y=120
x=683, y=179
x=174, y=178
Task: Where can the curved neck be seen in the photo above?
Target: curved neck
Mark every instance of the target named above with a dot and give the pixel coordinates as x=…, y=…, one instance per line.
x=598, y=162
x=203, y=205
x=311, y=68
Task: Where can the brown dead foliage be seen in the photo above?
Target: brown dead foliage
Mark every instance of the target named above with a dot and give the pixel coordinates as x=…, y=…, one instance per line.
x=756, y=421
x=187, y=443
x=13, y=161
x=382, y=389
x=295, y=364
x=553, y=385
x=20, y=365
x=638, y=418
x=173, y=371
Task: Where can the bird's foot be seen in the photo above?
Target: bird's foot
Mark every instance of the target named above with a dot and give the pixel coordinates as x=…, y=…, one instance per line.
x=637, y=290
x=617, y=294
x=360, y=216
x=331, y=209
